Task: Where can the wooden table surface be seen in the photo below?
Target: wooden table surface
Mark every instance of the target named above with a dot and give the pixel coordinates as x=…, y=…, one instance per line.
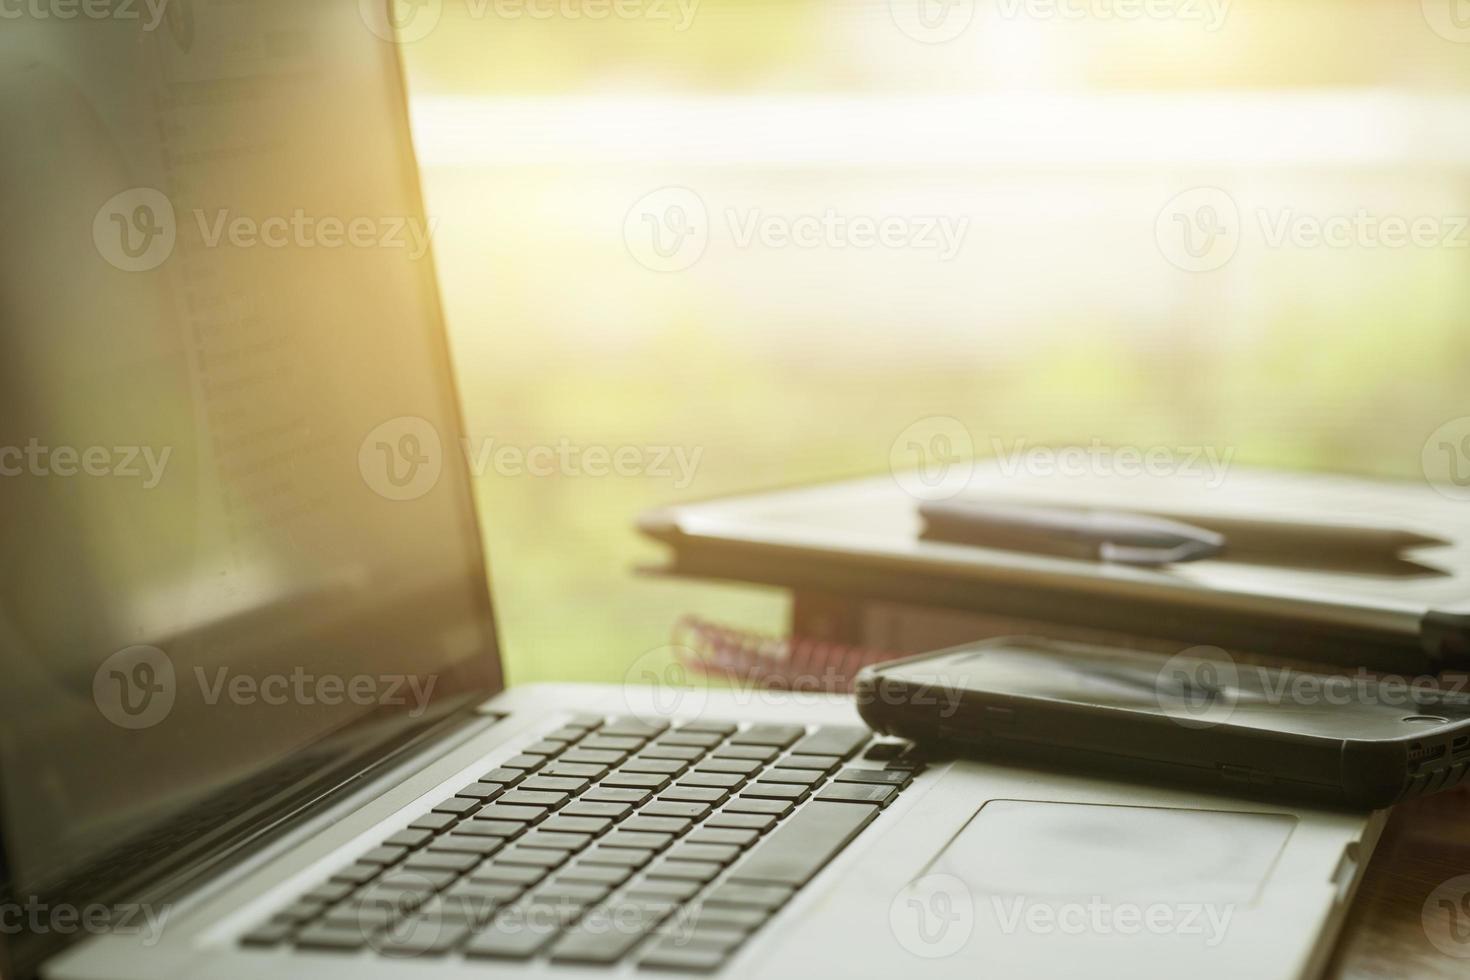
x=1424, y=846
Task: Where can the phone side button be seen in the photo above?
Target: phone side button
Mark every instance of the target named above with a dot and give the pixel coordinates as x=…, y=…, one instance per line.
x=1244, y=775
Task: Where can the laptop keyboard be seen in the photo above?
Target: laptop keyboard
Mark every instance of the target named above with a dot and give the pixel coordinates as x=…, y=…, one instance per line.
x=610, y=840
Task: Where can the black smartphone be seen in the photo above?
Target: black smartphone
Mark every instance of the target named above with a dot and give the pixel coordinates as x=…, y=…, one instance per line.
x=1357, y=740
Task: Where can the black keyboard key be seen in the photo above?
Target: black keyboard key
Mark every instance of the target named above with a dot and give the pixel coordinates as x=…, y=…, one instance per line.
x=590, y=757
x=777, y=735
x=821, y=763
x=635, y=780
x=457, y=805
x=431, y=936
x=683, y=753
x=409, y=838
x=633, y=728
x=298, y=912
x=531, y=797
x=718, y=727
x=528, y=763
x=331, y=937
x=642, y=839
x=555, y=784
x=658, y=825
x=765, y=897
x=356, y=874
x=695, y=794
x=606, y=934
x=665, y=889
x=546, y=746
x=328, y=891
x=756, y=753
x=415, y=880
x=802, y=777
x=885, y=751
x=883, y=777
x=384, y=855
x=511, y=936
x=503, y=776
x=457, y=861
x=574, y=770
x=741, y=821
x=701, y=871
x=520, y=814
x=668, y=954
x=482, y=791
x=616, y=794
x=622, y=857
x=577, y=894
x=795, y=792
x=604, y=743
x=702, y=740
x=269, y=934
x=603, y=874
x=588, y=808
x=667, y=767
x=747, y=805
x=740, y=767
x=733, y=917
x=722, y=835
x=663, y=807
x=688, y=851
x=802, y=845
x=538, y=857
x=711, y=780
x=467, y=844
x=858, y=793
x=839, y=740
x=495, y=873
x=555, y=841
x=585, y=720
x=577, y=825
x=567, y=733
x=486, y=827
x=432, y=822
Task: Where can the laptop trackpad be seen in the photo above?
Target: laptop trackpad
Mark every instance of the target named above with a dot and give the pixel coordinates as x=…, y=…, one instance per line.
x=1135, y=856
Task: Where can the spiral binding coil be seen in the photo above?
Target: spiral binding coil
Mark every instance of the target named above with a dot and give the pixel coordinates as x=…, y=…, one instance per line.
x=774, y=662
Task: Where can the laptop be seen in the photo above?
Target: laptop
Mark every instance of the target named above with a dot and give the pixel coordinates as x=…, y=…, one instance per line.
x=254, y=721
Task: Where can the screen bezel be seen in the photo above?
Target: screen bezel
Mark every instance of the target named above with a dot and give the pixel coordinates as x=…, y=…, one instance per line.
x=356, y=749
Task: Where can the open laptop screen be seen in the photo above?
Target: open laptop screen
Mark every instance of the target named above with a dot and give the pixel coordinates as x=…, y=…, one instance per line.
x=234, y=530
